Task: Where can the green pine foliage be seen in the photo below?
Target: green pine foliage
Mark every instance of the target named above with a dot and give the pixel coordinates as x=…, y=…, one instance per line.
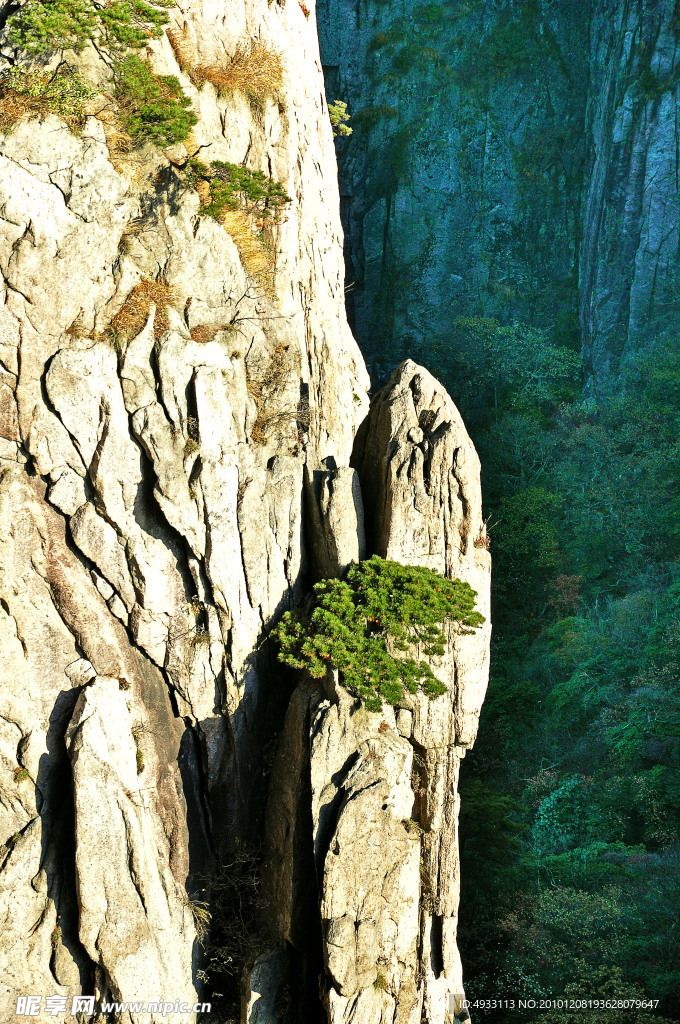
x=337, y=111
x=153, y=107
x=365, y=625
x=44, y=25
x=131, y=23
x=233, y=187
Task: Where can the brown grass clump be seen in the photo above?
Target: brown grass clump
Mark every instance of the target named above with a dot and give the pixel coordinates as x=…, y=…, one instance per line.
x=131, y=319
x=204, y=193
x=256, y=70
x=203, y=333
x=77, y=328
x=257, y=259
x=14, y=106
x=118, y=141
x=185, y=52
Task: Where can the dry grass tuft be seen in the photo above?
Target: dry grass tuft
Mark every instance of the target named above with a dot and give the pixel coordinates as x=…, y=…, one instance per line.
x=131, y=319
x=204, y=194
x=203, y=333
x=77, y=328
x=257, y=258
x=14, y=106
x=185, y=52
x=256, y=70
x=118, y=141
x=200, y=911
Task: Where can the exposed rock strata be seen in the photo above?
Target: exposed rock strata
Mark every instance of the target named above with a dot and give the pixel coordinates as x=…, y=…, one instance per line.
x=140, y=574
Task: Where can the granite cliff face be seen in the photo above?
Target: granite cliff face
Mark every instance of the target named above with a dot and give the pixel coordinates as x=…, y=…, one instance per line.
x=515, y=160
x=165, y=496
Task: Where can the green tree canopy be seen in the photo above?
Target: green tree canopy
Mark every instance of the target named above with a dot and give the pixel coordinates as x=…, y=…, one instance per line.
x=365, y=625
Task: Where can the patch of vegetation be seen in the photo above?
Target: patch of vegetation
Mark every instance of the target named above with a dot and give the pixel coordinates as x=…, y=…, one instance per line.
x=255, y=69
x=132, y=318
x=270, y=387
x=380, y=984
x=337, y=111
x=238, y=927
x=382, y=39
x=25, y=92
x=200, y=911
x=20, y=774
x=234, y=187
x=365, y=625
x=242, y=200
x=404, y=60
x=430, y=14
x=152, y=107
x=368, y=117
x=256, y=251
x=44, y=25
x=570, y=802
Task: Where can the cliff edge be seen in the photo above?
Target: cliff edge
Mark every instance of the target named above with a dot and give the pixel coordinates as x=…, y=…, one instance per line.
x=184, y=443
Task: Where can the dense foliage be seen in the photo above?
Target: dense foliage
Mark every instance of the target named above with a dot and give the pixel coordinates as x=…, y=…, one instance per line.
x=233, y=187
x=337, y=111
x=366, y=625
x=571, y=799
x=153, y=107
x=65, y=93
x=43, y=25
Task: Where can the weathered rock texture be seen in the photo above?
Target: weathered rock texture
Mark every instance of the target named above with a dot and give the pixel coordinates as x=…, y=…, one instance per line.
x=511, y=159
x=384, y=786
x=158, y=516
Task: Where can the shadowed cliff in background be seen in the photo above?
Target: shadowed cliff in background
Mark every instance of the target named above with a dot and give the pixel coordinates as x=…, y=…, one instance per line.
x=515, y=159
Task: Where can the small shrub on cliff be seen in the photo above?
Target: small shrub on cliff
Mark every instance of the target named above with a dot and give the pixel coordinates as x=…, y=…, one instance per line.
x=364, y=626
x=242, y=200
x=224, y=186
x=337, y=111
x=152, y=106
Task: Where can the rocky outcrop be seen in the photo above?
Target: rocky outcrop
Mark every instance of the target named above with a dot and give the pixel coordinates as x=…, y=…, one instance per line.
x=161, y=510
x=384, y=786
